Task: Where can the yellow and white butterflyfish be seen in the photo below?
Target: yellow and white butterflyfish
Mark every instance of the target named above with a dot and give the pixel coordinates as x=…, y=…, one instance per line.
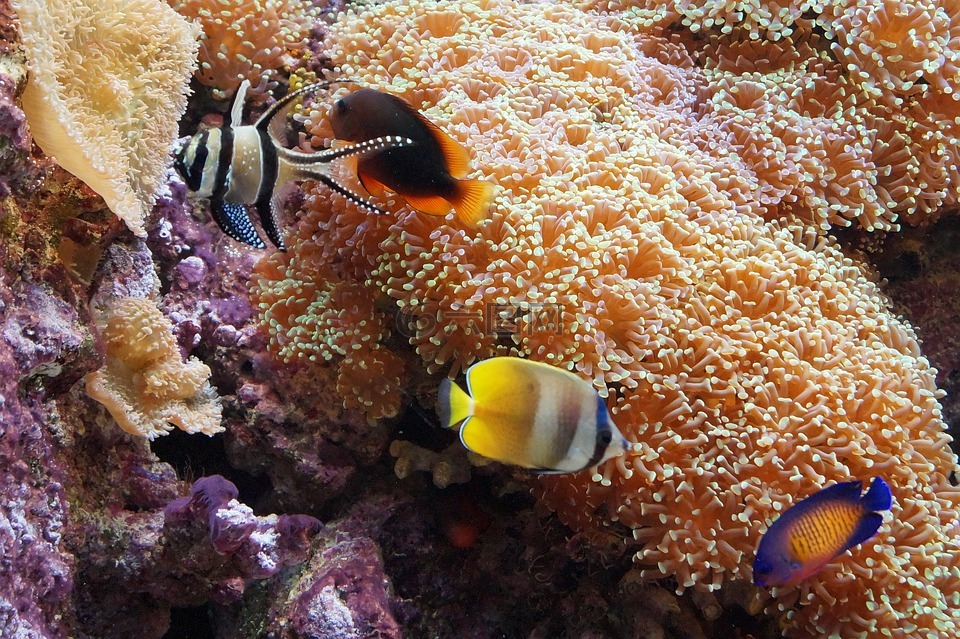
x=532, y=415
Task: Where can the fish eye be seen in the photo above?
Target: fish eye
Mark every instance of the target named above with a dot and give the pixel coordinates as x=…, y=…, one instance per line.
x=605, y=438
x=340, y=106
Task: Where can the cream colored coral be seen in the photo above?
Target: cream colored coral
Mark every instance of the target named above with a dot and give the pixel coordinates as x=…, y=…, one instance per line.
x=659, y=230
x=144, y=383
x=108, y=84
x=247, y=39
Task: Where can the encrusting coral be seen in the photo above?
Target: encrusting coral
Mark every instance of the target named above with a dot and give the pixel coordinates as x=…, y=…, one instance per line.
x=247, y=40
x=657, y=230
x=108, y=85
x=144, y=382
x=880, y=101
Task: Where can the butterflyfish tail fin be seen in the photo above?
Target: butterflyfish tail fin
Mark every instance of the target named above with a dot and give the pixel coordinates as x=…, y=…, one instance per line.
x=878, y=496
x=472, y=200
x=453, y=404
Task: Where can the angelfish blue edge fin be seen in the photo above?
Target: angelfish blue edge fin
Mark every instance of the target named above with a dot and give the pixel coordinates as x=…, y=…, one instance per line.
x=878, y=497
x=866, y=529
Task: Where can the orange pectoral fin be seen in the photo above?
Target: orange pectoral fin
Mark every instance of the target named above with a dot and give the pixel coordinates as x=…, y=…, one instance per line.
x=432, y=204
x=472, y=200
x=374, y=188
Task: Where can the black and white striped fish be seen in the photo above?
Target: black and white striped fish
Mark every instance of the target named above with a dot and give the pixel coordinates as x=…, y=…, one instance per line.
x=237, y=166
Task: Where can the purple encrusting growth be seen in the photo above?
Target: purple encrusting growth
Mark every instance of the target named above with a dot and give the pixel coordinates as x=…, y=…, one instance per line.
x=258, y=546
x=206, y=277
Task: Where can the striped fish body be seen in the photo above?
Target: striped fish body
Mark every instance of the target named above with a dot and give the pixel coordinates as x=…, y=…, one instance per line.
x=531, y=415
x=238, y=166
x=816, y=530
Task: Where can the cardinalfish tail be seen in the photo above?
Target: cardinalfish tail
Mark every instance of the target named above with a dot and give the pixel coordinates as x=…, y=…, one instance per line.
x=453, y=404
x=471, y=200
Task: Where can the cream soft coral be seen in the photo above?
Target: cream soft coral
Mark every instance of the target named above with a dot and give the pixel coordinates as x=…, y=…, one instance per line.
x=108, y=84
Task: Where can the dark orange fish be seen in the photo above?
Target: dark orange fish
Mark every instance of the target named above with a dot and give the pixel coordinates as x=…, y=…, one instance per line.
x=428, y=175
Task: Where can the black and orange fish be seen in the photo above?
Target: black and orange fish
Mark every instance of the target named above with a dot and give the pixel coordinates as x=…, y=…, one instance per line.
x=427, y=174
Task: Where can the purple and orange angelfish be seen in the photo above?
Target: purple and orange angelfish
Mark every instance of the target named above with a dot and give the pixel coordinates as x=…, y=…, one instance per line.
x=428, y=175
x=816, y=530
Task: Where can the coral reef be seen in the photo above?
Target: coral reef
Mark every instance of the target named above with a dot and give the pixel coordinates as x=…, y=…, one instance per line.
x=108, y=84
x=314, y=316
x=920, y=273
x=248, y=40
x=651, y=235
x=44, y=344
x=653, y=232
x=449, y=466
x=144, y=383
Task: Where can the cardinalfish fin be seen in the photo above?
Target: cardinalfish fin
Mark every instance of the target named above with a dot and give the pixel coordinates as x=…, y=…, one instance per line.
x=307, y=173
x=472, y=199
x=236, y=110
x=274, y=119
x=453, y=404
x=233, y=219
x=358, y=149
x=269, y=206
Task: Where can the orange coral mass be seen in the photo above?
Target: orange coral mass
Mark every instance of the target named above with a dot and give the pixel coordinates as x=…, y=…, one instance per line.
x=665, y=198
